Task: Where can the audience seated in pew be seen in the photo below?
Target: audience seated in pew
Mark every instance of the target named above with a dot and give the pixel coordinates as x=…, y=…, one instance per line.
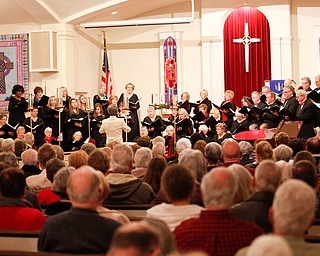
x=291, y=214
x=255, y=209
x=15, y=212
x=84, y=230
x=178, y=184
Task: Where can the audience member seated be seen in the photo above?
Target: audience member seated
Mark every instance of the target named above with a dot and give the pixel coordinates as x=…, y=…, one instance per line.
x=30, y=162
x=291, y=215
x=246, y=150
x=48, y=195
x=99, y=160
x=263, y=151
x=230, y=152
x=19, y=147
x=281, y=138
x=29, y=137
x=313, y=146
x=181, y=145
x=135, y=239
x=59, y=187
x=212, y=153
x=16, y=213
x=78, y=159
x=156, y=167
x=296, y=145
x=158, y=149
x=125, y=188
x=10, y=160
x=178, y=184
x=142, y=158
x=8, y=145
x=39, y=182
x=304, y=155
x=285, y=168
x=255, y=209
x=88, y=147
x=80, y=229
x=244, y=178
x=165, y=236
x=282, y=152
x=59, y=152
x=200, y=145
x=269, y=245
x=216, y=232
x=144, y=141
x=105, y=212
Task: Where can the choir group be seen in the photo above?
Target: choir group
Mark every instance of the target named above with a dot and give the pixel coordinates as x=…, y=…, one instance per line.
x=70, y=122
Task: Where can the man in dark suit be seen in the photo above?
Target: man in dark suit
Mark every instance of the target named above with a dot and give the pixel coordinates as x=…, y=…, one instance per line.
x=306, y=84
x=255, y=96
x=271, y=118
x=306, y=112
x=291, y=102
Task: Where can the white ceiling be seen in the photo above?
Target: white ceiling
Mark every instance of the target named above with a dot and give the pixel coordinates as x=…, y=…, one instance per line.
x=77, y=11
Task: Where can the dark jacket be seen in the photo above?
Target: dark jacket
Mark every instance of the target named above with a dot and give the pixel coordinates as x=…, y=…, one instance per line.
x=255, y=209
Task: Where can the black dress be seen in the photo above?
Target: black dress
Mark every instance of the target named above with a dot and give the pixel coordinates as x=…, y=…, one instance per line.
x=134, y=105
x=16, y=110
x=70, y=127
x=99, y=138
x=37, y=130
x=51, y=119
x=158, y=130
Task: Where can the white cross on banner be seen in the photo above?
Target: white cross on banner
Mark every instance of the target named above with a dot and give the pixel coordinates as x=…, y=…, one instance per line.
x=246, y=40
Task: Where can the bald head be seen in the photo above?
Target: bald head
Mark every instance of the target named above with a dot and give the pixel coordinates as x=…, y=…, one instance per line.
x=230, y=151
x=84, y=187
x=218, y=188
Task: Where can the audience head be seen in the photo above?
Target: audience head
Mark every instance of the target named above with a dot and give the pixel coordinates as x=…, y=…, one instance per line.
x=313, y=145
x=88, y=147
x=135, y=238
x=267, y=176
x=212, y=152
x=144, y=141
x=60, y=180
x=194, y=160
x=269, y=245
x=84, y=187
x=230, y=151
x=12, y=183
x=195, y=137
x=263, y=151
x=142, y=157
x=158, y=139
x=200, y=145
x=245, y=148
x=296, y=145
x=285, y=168
x=59, y=151
x=244, y=179
x=293, y=208
x=282, y=138
x=156, y=167
x=45, y=153
x=8, y=145
x=158, y=149
x=105, y=186
x=306, y=171
x=19, y=147
x=9, y=159
x=282, y=152
x=78, y=159
x=99, y=160
x=122, y=159
x=182, y=144
x=304, y=155
x=165, y=236
x=29, y=137
x=52, y=166
x=178, y=183
x=30, y=157
x=218, y=187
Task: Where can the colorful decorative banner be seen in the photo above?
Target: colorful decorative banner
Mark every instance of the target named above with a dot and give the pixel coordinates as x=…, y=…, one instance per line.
x=14, y=67
x=170, y=70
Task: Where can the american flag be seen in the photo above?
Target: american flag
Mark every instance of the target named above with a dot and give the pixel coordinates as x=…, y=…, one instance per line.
x=106, y=81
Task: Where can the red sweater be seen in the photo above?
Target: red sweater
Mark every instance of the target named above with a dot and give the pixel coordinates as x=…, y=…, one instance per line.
x=20, y=218
x=46, y=196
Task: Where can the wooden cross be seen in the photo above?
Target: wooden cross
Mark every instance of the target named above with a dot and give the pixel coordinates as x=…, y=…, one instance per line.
x=5, y=66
